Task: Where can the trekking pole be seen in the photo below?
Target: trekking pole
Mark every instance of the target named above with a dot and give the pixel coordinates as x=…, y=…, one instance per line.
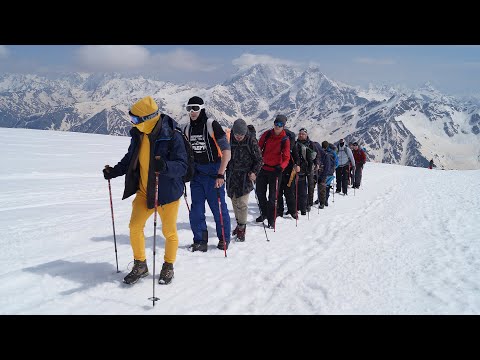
x=334, y=189
x=113, y=223
x=185, y=196
x=276, y=202
x=318, y=191
x=153, y=298
x=354, y=171
x=258, y=203
x=221, y=222
x=296, y=200
x=308, y=197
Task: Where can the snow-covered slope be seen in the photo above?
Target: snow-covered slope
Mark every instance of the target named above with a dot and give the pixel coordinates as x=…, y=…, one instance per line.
x=406, y=242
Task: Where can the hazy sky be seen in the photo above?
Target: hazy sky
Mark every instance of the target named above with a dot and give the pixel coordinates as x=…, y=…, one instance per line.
x=453, y=69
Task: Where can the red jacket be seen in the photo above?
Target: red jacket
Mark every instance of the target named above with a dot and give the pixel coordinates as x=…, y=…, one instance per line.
x=275, y=153
x=359, y=156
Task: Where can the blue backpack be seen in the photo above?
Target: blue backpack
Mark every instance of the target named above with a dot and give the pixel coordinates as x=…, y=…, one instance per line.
x=331, y=150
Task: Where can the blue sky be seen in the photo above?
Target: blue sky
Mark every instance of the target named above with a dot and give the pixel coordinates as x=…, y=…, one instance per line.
x=453, y=69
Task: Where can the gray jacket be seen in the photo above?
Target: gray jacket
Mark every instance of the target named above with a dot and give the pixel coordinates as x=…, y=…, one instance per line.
x=343, y=159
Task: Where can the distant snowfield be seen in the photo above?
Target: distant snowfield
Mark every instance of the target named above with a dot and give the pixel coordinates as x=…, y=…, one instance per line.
x=407, y=242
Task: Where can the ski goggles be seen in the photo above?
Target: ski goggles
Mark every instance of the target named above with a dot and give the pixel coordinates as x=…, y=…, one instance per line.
x=134, y=119
x=279, y=123
x=194, y=107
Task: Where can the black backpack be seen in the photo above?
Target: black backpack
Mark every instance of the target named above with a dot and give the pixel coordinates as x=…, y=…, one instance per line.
x=188, y=148
x=252, y=130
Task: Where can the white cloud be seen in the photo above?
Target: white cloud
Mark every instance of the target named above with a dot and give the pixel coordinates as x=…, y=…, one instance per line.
x=248, y=60
x=372, y=61
x=135, y=57
x=181, y=59
x=4, y=52
x=112, y=57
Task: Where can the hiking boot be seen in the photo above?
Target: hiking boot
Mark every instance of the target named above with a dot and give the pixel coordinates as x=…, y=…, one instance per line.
x=326, y=204
x=308, y=208
x=304, y=212
x=294, y=216
x=322, y=206
x=199, y=246
x=316, y=202
x=338, y=191
x=139, y=270
x=241, y=233
x=269, y=226
x=220, y=245
x=234, y=232
x=261, y=218
x=166, y=274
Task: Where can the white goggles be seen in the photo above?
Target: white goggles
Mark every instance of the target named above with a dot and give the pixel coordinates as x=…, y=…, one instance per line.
x=194, y=107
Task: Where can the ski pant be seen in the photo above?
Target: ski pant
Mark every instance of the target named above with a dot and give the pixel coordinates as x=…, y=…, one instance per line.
x=342, y=178
x=302, y=192
x=328, y=182
x=289, y=193
x=168, y=216
x=240, y=208
x=327, y=193
x=358, y=175
x=267, y=179
x=202, y=187
x=310, y=188
x=321, y=189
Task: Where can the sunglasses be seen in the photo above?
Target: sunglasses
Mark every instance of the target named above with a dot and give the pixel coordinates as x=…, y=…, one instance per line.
x=194, y=107
x=278, y=123
x=134, y=119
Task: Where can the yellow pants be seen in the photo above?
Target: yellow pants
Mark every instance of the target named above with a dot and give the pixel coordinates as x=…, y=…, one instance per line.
x=168, y=216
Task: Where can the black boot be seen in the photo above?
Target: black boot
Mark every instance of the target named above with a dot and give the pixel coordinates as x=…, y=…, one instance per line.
x=199, y=246
x=166, y=274
x=139, y=271
x=260, y=218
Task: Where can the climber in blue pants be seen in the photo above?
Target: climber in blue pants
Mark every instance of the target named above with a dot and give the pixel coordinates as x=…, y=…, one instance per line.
x=211, y=151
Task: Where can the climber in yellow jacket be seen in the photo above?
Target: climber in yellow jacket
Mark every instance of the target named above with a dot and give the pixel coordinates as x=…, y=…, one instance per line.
x=154, y=147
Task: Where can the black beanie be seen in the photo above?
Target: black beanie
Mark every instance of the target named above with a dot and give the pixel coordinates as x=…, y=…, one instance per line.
x=195, y=100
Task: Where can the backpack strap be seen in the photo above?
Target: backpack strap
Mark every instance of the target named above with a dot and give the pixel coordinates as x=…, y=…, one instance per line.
x=186, y=131
x=212, y=135
x=267, y=135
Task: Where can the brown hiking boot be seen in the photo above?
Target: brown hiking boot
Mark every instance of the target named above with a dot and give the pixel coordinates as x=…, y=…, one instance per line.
x=234, y=232
x=139, y=270
x=221, y=244
x=166, y=275
x=241, y=232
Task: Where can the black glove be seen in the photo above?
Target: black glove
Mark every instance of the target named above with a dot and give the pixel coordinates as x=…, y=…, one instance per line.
x=159, y=164
x=278, y=170
x=109, y=172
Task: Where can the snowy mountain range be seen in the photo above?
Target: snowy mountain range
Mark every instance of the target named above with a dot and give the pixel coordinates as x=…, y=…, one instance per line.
x=394, y=124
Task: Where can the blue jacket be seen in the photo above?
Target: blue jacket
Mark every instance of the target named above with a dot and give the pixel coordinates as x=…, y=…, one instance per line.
x=167, y=143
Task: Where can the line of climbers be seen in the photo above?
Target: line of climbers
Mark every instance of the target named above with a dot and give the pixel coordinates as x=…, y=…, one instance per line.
x=218, y=163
